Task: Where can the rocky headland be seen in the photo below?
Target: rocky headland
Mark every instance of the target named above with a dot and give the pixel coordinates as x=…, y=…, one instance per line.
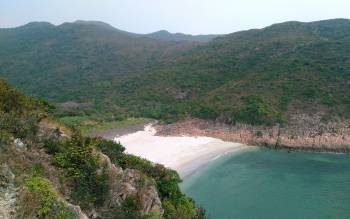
x=303, y=132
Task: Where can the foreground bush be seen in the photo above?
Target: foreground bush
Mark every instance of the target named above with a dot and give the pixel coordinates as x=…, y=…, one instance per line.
x=39, y=199
x=78, y=162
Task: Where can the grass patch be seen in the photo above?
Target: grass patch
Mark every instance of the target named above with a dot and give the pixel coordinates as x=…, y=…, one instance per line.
x=87, y=125
x=74, y=121
x=88, y=128
x=40, y=199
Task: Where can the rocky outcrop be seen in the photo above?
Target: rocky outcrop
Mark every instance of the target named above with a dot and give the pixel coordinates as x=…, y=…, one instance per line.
x=49, y=129
x=8, y=193
x=132, y=183
x=122, y=183
x=304, y=132
x=77, y=211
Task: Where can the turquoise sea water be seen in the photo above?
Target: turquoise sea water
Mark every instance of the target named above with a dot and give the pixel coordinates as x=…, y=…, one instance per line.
x=263, y=183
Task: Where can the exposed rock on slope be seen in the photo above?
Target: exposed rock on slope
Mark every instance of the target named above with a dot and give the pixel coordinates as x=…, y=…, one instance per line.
x=8, y=192
x=132, y=183
x=78, y=212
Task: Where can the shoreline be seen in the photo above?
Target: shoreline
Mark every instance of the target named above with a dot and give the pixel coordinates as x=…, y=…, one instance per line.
x=189, y=145
x=184, y=154
x=187, y=169
x=331, y=138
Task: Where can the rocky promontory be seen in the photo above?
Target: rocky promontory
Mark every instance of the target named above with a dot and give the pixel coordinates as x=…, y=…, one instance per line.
x=303, y=132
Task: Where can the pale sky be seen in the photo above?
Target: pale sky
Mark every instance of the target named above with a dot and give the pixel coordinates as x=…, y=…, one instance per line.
x=186, y=16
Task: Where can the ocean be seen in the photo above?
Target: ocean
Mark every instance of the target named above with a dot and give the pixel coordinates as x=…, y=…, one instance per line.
x=262, y=183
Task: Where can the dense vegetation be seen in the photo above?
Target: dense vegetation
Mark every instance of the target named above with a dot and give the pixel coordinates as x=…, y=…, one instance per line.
x=52, y=169
x=66, y=60
x=257, y=76
x=19, y=115
x=80, y=164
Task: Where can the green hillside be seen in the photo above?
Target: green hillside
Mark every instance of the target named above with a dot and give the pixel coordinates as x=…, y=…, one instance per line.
x=256, y=76
x=74, y=59
x=19, y=115
x=49, y=171
x=259, y=76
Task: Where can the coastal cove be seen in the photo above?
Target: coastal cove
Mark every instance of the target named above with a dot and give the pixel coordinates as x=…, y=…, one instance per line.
x=232, y=180
x=169, y=121
x=264, y=183
x=181, y=153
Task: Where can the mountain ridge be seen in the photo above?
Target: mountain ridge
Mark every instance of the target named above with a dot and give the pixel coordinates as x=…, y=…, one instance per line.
x=166, y=35
x=161, y=34
x=255, y=76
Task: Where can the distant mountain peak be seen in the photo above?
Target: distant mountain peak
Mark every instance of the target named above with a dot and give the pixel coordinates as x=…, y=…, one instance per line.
x=38, y=24
x=166, y=35
x=162, y=31
x=99, y=23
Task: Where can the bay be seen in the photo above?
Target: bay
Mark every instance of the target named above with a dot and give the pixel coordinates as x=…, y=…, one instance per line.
x=262, y=183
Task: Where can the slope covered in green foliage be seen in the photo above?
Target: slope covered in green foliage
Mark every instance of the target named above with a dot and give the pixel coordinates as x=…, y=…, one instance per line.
x=76, y=59
x=257, y=76
x=50, y=168
x=260, y=76
x=19, y=115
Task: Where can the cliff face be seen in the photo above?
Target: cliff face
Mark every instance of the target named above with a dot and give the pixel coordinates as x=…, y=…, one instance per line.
x=130, y=183
x=304, y=132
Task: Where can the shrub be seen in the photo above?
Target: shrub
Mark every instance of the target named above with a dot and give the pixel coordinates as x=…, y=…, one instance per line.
x=257, y=112
x=131, y=208
x=51, y=146
x=112, y=149
x=40, y=199
x=4, y=137
x=76, y=158
x=19, y=115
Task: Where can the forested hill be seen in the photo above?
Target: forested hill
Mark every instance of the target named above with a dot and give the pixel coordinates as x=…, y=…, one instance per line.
x=260, y=76
x=58, y=62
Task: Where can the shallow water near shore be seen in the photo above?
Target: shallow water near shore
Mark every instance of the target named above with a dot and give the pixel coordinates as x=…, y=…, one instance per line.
x=262, y=183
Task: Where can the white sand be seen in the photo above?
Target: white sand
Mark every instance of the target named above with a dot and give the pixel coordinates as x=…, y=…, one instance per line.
x=183, y=154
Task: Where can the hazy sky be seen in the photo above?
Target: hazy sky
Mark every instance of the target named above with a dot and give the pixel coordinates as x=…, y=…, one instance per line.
x=188, y=16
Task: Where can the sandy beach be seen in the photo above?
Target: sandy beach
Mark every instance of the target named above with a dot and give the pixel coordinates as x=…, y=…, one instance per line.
x=183, y=154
